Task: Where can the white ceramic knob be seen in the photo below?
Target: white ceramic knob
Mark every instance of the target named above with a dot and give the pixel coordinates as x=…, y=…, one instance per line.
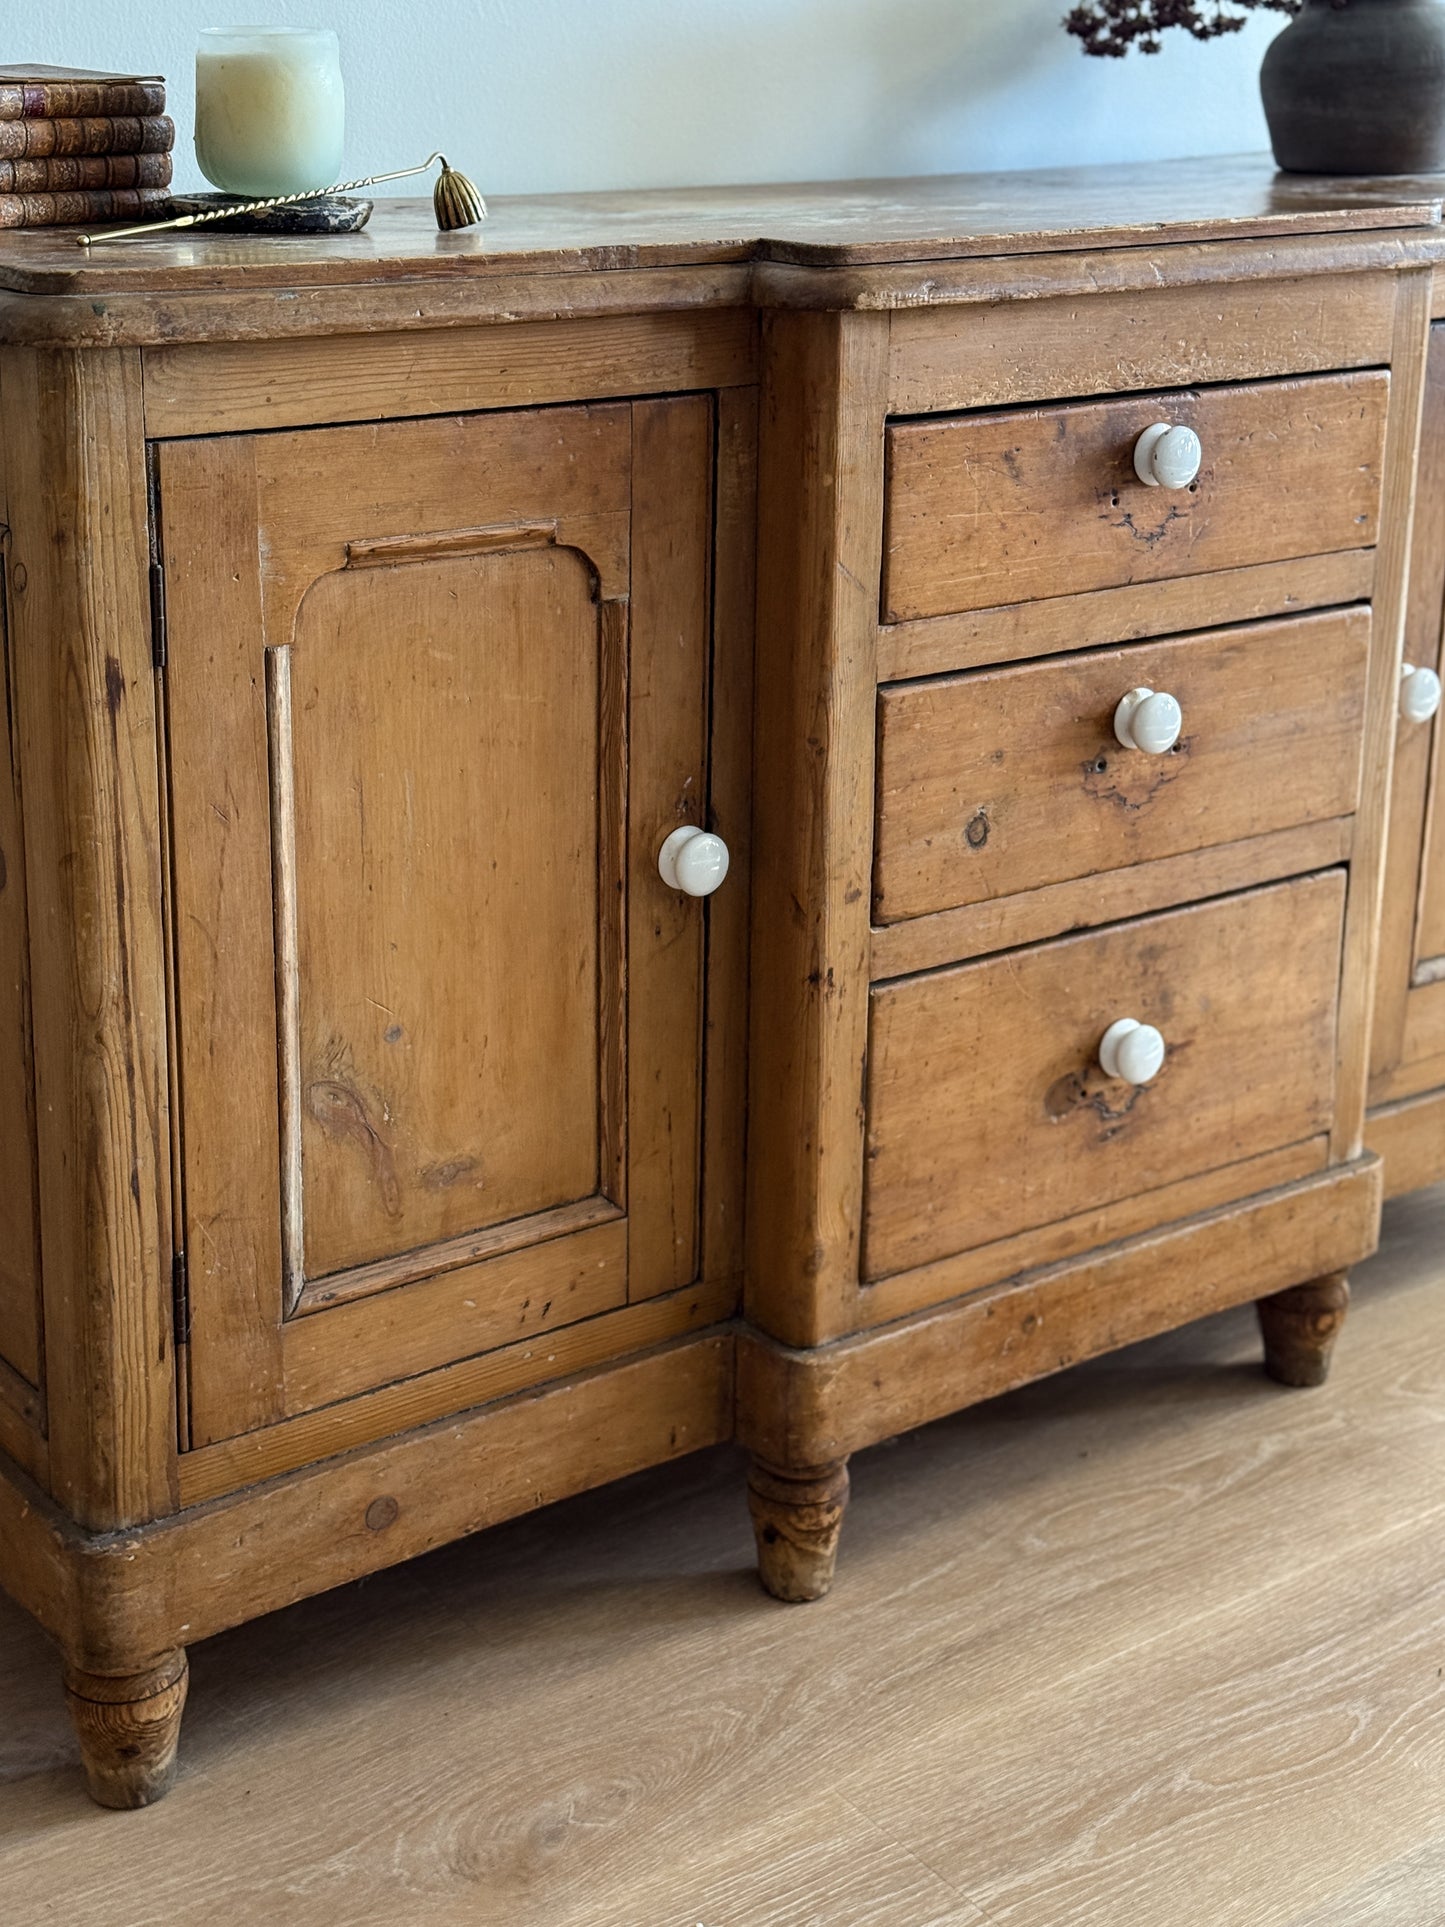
x=1167, y=457
x=1419, y=694
x=1148, y=719
x=693, y=861
x=1132, y=1051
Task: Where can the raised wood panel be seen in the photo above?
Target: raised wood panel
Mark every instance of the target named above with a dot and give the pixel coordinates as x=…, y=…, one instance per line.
x=20, y=1320
x=446, y=744
x=982, y=357
x=1005, y=507
x=1007, y=780
x=457, y=476
x=988, y=1113
x=441, y=1021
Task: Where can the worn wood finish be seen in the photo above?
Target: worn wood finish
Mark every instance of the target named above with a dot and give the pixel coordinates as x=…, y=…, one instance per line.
x=833, y=223
x=1407, y=877
x=1085, y=903
x=138, y=319
x=84, y=696
x=359, y=972
x=1422, y=1056
x=881, y=1300
x=129, y=1727
x=667, y=765
x=943, y=358
x=1021, y=630
x=1010, y=780
x=730, y=813
x=1035, y=503
x=1410, y=1137
x=820, y=520
x=115, y=1601
x=910, y=287
x=988, y=1113
x=797, y=1520
x=473, y=886
x=217, y=388
x=20, y=1321
x=221, y=856
x=321, y=1431
x=1300, y=1327
x=1361, y=969
x=1430, y=928
x=811, y=1407
x=504, y=814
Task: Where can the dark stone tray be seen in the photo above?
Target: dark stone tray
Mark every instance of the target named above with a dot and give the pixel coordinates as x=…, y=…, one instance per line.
x=334, y=214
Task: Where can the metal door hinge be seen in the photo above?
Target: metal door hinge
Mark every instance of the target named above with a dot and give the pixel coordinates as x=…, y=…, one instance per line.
x=181, y=1290
x=158, y=614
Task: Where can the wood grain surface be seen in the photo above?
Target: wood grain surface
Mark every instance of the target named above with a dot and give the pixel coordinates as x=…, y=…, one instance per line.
x=1175, y=1616
x=382, y=870
x=1007, y=780
x=936, y=216
x=988, y=1113
x=993, y=508
x=20, y=1334
x=85, y=717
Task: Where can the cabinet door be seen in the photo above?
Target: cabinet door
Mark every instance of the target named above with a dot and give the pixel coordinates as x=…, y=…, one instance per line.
x=437, y=690
x=1409, y=1033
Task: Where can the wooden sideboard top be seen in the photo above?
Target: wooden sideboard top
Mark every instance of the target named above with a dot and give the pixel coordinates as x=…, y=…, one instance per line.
x=944, y=217
x=708, y=241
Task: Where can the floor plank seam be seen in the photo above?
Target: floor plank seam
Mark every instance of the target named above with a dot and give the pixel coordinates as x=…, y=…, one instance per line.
x=912, y=1853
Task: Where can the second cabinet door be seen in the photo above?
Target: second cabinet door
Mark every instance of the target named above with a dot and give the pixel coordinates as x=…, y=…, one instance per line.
x=1408, y=1055
x=437, y=691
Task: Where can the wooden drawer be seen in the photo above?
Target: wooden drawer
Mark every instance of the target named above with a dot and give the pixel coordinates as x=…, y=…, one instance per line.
x=1009, y=779
x=988, y=1114
x=1013, y=506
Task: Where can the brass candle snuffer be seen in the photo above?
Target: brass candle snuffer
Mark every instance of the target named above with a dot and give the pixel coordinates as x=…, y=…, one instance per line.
x=455, y=199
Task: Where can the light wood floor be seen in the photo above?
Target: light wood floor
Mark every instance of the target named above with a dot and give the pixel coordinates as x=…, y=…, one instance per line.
x=1153, y=1643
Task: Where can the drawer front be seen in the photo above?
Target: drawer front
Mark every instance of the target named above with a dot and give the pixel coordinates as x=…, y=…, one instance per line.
x=988, y=1114
x=1010, y=779
x=989, y=509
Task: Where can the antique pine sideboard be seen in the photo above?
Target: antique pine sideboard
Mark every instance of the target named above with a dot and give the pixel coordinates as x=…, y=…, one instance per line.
x=409, y=865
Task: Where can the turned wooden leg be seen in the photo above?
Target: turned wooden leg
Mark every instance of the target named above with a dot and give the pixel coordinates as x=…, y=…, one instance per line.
x=1300, y=1327
x=129, y=1726
x=797, y=1517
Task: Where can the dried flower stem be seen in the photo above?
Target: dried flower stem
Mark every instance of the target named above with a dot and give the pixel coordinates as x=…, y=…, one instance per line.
x=1112, y=27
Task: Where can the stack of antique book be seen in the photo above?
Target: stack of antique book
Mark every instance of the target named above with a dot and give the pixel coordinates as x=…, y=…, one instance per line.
x=77, y=146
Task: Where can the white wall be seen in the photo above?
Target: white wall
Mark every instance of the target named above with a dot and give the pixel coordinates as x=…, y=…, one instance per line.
x=540, y=95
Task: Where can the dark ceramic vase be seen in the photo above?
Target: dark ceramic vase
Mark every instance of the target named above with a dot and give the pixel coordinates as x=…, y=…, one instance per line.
x=1358, y=87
